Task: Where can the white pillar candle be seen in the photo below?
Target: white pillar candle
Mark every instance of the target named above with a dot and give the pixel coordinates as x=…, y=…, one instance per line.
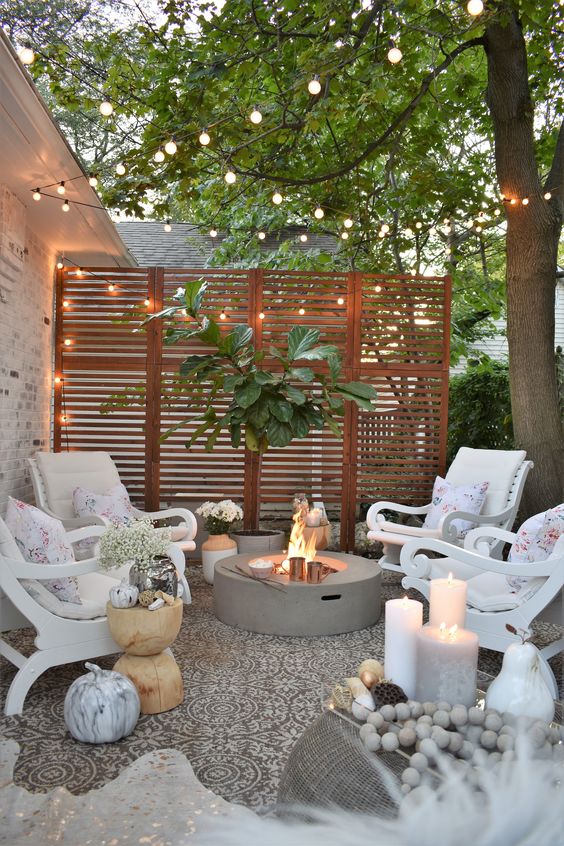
x=447, y=602
x=313, y=517
x=404, y=618
x=447, y=662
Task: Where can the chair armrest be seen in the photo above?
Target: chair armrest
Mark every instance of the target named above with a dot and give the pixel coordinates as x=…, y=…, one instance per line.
x=29, y=570
x=374, y=517
x=85, y=532
x=479, y=539
x=78, y=522
x=183, y=513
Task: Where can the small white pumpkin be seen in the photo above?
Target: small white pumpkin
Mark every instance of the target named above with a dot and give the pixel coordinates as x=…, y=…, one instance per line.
x=102, y=706
x=520, y=688
x=124, y=595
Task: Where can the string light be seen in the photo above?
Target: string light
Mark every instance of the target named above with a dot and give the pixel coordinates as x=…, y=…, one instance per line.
x=26, y=55
x=314, y=86
x=66, y=206
x=261, y=236
x=381, y=234
x=513, y=201
x=277, y=198
x=159, y=155
x=301, y=311
x=319, y=213
x=111, y=288
x=92, y=180
x=37, y=195
x=525, y=201
x=120, y=169
x=432, y=230
x=261, y=315
x=409, y=231
x=147, y=302
x=475, y=7
x=106, y=108
x=418, y=225
x=344, y=235
x=66, y=303
x=547, y=195
x=303, y=238
x=67, y=342
x=230, y=177
x=340, y=301
x=57, y=380
x=255, y=116
x=167, y=226
x=60, y=264
x=64, y=418
x=204, y=138
x=213, y=233
x=223, y=316
x=394, y=54
x=385, y=228
x=478, y=229
x=61, y=188
x=377, y=288
x=347, y=223
x=497, y=212
x=171, y=147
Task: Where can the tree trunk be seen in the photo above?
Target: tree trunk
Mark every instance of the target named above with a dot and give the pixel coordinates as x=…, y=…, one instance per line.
x=531, y=252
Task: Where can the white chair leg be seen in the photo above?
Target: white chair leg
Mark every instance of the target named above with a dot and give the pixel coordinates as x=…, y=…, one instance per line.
x=186, y=595
x=422, y=585
x=25, y=677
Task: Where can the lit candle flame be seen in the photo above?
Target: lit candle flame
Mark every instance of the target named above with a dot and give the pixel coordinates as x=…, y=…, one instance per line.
x=442, y=630
x=404, y=603
x=450, y=579
x=452, y=632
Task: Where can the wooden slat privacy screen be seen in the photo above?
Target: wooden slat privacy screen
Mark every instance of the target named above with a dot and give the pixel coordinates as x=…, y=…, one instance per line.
x=392, y=332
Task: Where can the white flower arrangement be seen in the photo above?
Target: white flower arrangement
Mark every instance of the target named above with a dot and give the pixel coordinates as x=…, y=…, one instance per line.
x=137, y=542
x=219, y=517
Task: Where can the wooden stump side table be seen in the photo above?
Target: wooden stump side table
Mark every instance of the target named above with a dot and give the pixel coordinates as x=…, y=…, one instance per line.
x=144, y=635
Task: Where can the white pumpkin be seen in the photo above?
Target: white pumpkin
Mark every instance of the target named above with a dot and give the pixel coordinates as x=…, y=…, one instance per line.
x=101, y=707
x=124, y=595
x=520, y=688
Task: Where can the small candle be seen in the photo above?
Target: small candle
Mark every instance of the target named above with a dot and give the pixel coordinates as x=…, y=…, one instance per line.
x=404, y=618
x=447, y=602
x=313, y=517
x=447, y=662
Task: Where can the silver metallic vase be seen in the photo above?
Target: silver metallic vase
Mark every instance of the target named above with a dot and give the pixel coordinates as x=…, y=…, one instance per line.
x=159, y=575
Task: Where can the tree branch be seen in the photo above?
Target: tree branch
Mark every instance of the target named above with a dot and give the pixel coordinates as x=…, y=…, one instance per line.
x=555, y=179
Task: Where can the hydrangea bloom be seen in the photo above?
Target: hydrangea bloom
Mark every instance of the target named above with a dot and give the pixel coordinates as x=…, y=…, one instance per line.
x=219, y=517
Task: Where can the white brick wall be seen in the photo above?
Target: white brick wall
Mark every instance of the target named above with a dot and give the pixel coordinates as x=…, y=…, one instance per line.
x=26, y=345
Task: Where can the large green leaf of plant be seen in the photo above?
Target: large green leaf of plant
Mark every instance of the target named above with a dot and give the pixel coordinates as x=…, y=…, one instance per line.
x=300, y=340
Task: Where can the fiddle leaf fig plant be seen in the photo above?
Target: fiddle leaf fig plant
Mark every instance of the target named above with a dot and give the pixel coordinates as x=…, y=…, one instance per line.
x=267, y=407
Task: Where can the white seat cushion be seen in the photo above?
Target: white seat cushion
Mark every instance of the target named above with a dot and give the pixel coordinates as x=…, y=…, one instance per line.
x=497, y=466
x=397, y=538
x=442, y=567
x=490, y=592
x=87, y=610
x=63, y=471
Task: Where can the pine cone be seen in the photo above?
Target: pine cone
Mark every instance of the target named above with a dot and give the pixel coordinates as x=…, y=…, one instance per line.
x=387, y=693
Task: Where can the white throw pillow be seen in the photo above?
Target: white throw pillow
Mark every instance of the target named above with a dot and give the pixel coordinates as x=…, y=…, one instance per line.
x=87, y=610
x=114, y=504
x=41, y=539
x=535, y=541
x=447, y=498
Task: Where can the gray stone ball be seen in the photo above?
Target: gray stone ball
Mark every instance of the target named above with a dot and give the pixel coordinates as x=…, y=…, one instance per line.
x=455, y=742
x=411, y=776
x=425, y=719
x=405, y=789
x=423, y=730
x=373, y=742
x=403, y=711
x=407, y=737
x=360, y=712
x=505, y=742
x=390, y=742
x=375, y=719
x=441, y=737
x=509, y=755
x=411, y=723
x=476, y=716
x=489, y=739
x=466, y=750
x=416, y=708
x=444, y=706
x=495, y=757
x=493, y=722
x=537, y=735
x=419, y=762
x=441, y=718
x=365, y=730
x=388, y=712
x=459, y=715
x=429, y=748
x=429, y=708
x=473, y=734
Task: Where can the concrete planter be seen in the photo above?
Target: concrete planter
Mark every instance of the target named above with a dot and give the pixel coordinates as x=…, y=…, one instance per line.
x=257, y=542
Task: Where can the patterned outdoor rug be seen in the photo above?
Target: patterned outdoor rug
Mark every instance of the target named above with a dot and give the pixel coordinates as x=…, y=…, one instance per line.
x=248, y=698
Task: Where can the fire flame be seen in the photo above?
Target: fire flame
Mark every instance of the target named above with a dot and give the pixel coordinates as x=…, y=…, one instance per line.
x=298, y=546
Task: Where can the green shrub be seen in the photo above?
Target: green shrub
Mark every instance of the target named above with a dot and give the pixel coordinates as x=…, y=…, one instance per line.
x=480, y=408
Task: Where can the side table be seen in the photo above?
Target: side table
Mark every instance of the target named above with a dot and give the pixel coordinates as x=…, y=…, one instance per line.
x=143, y=635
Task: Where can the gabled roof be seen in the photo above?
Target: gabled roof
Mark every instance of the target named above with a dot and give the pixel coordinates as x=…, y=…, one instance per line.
x=35, y=153
x=186, y=246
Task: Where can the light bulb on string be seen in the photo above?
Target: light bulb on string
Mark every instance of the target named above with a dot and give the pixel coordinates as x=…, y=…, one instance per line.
x=26, y=55
x=319, y=214
x=92, y=180
x=419, y=225
x=525, y=201
x=513, y=201
x=106, y=107
x=261, y=315
x=57, y=380
x=448, y=229
x=348, y=223
x=111, y=288
x=64, y=418
x=66, y=303
x=475, y=7
x=261, y=235
x=497, y=212
x=159, y=155
x=61, y=188
x=167, y=226
x=230, y=177
x=67, y=342
x=66, y=206
x=432, y=230
x=213, y=233
x=385, y=228
x=255, y=116
x=344, y=235
x=547, y=195
x=204, y=138
x=36, y=195
x=394, y=54
x=314, y=86
x=409, y=232
x=277, y=198
x=171, y=147
x=340, y=301
x=147, y=302
x=478, y=229
x=223, y=315
x=381, y=234
x=303, y=238
x=301, y=311
x=120, y=169
x=60, y=265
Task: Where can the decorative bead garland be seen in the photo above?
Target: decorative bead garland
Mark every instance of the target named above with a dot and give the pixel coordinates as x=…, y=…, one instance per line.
x=479, y=740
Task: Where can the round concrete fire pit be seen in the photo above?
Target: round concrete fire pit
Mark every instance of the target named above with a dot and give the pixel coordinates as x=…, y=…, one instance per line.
x=344, y=601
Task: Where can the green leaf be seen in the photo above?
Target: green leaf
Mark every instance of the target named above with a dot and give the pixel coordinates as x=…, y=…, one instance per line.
x=209, y=333
x=282, y=410
x=193, y=295
x=247, y=394
x=295, y=395
x=210, y=443
x=232, y=381
x=251, y=439
x=279, y=434
x=302, y=374
x=334, y=363
x=258, y=414
x=299, y=424
x=320, y=353
x=332, y=424
x=192, y=364
x=263, y=377
x=242, y=335
x=235, y=430
x=358, y=389
x=300, y=340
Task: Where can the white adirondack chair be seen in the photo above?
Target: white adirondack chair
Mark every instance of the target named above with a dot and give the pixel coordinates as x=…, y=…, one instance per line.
x=505, y=470
x=491, y=602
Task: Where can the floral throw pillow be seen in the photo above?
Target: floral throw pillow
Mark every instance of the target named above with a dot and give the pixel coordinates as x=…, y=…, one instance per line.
x=535, y=541
x=114, y=504
x=41, y=539
x=447, y=498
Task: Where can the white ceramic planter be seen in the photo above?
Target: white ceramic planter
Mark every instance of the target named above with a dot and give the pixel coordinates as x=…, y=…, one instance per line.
x=214, y=549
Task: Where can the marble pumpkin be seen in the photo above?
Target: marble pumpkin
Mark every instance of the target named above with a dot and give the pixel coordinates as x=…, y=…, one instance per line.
x=101, y=707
